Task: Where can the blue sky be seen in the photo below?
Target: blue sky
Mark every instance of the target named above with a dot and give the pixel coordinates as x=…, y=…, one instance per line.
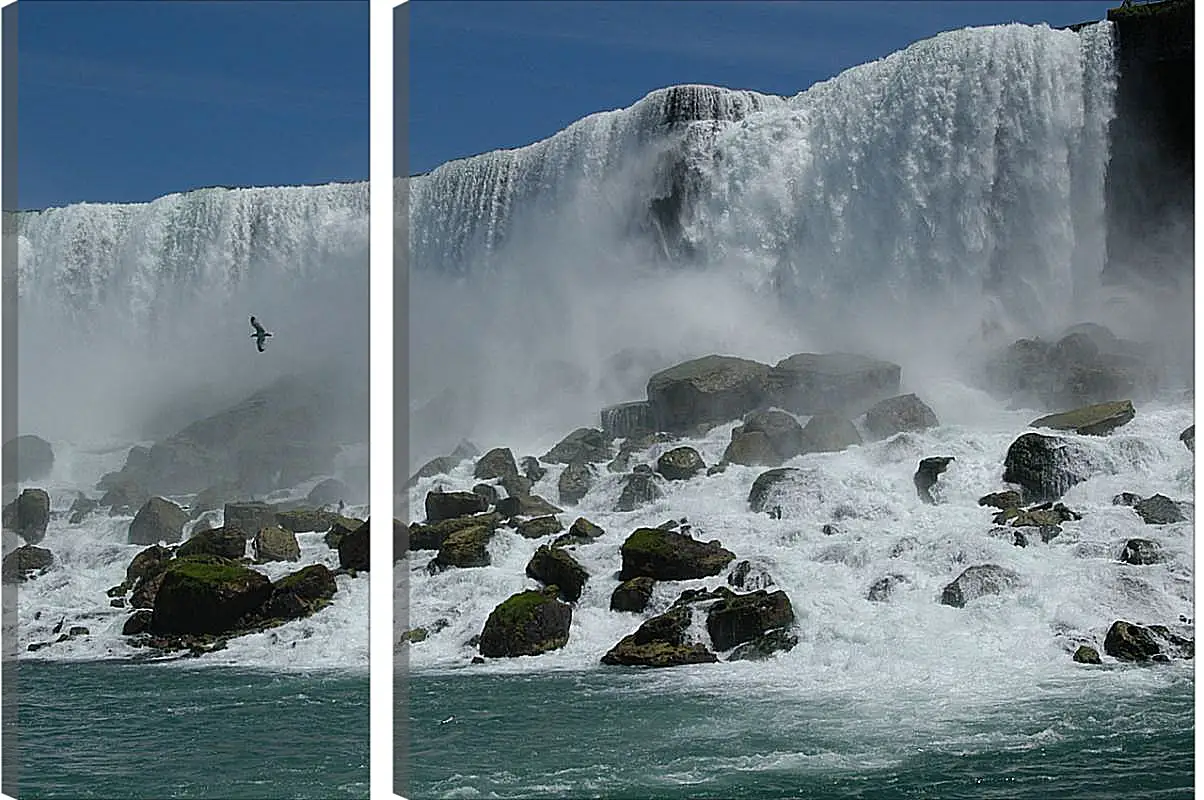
x=486, y=75
x=128, y=101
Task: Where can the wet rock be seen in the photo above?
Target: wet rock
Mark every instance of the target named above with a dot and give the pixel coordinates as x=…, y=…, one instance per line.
x=765, y=483
x=582, y=531
x=575, y=482
x=147, y=563
x=669, y=556
x=430, y=537
x=553, y=566
x=752, y=448
x=440, y=465
x=680, y=464
x=206, y=594
x=327, y=492
x=628, y=419
x=123, y=497
x=978, y=581
x=465, y=548
x=1044, y=466
x=442, y=505
x=276, y=544
x=1126, y=499
x=881, y=589
x=1159, y=510
x=487, y=492
x=526, y=624
x=136, y=623
x=304, y=520
x=28, y=515
x=1127, y=641
x=539, y=527
x=81, y=508
x=829, y=433
x=157, y=521
x=748, y=576
x=27, y=458
x=1086, y=655
x=1002, y=500
x=1188, y=437
x=300, y=594
x=585, y=445
x=739, y=618
x=533, y=471
x=926, y=476
x=767, y=438
x=905, y=412
x=248, y=518
x=810, y=383
x=1080, y=369
x=507, y=507
x=1142, y=552
x=639, y=488
x=532, y=505
x=712, y=389
x=497, y=463
x=25, y=561
x=632, y=595
x=660, y=642
x=340, y=528
x=764, y=646
x=222, y=542
x=1094, y=420
x=355, y=550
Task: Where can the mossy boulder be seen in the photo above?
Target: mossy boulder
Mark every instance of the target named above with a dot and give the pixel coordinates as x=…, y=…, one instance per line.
x=575, y=482
x=553, y=566
x=222, y=542
x=207, y=594
x=582, y=531
x=300, y=593
x=905, y=412
x=979, y=581
x=810, y=383
x=442, y=505
x=430, y=537
x=827, y=432
x=24, y=561
x=1127, y=641
x=526, y=624
x=28, y=515
x=1094, y=420
x=146, y=563
x=159, y=520
x=670, y=556
x=249, y=518
x=539, y=527
x=467, y=547
x=305, y=520
x=584, y=445
x=276, y=544
x=632, y=595
x=27, y=458
x=662, y=641
x=355, y=549
x=1086, y=655
x=738, y=618
x=680, y=464
x=712, y=389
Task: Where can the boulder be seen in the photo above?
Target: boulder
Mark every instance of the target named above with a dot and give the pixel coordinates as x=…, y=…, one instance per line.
x=430, y=537
x=1079, y=369
x=340, y=528
x=147, y=589
x=300, y=593
x=669, y=556
x=1188, y=437
x=530, y=505
x=147, y=563
x=28, y=515
x=660, y=642
x=1126, y=499
x=249, y=518
x=207, y=594
x=764, y=646
x=123, y=497
x=553, y=566
x=467, y=547
x=276, y=544
x=632, y=594
x=765, y=483
x=539, y=527
x=533, y=471
x=767, y=438
x=442, y=505
x=1141, y=552
x=24, y=560
x=746, y=575
x=582, y=531
x=497, y=463
x=575, y=482
x=881, y=589
x=926, y=476
x=829, y=433
x=81, y=507
x=27, y=458
x=680, y=464
x=639, y=488
x=739, y=618
x=488, y=492
x=1044, y=466
x=355, y=549
x=627, y=419
x=138, y=622
x=584, y=445
x=810, y=383
x=1127, y=641
x=327, y=492
x=526, y=624
x=439, y=465
x=222, y=542
x=905, y=412
x=304, y=520
x=1159, y=510
x=1002, y=500
x=750, y=448
x=712, y=389
x=1095, y=420
x=978, y=581
x=1086, y=655
x=157, y=521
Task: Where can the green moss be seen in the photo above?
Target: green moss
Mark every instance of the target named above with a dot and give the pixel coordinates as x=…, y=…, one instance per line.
x=208, y=568
x=650, y=540
x=1136, y=10
x=519, y=609
x=297, y=579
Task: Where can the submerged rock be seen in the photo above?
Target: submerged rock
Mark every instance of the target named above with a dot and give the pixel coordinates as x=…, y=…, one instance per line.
x=28, y=515
x=905, y=412
x=533, y=471
x=1094, y=420
x=1142, y=552
x=746, y=575
x=978, y=581
x=764, y=646
x=526, y=624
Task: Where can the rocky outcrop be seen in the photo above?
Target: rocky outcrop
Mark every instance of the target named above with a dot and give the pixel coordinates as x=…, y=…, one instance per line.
x=1127, y=641
x=25, y=561
x=632, y=595
x=739, y=618
x=1094, y=420
x=810, y=383
x=712, y=389
x=905, y=412
x=27, y=458
x=147, y=563
x=28, y=515
x=442, y=505
x=430, y=537
x=1044, y=466
x=978, y=581
x=670, y=556
x=157, y=521
x=526, y=624
x=584, y=445
x=206, y=594
x=497, y=463
x=628, y=419
x=223, y=542
x=680, y=464
x=926, y=476
x=276, y=544
x=300, y=594
x=827, y=432
x=553, y=566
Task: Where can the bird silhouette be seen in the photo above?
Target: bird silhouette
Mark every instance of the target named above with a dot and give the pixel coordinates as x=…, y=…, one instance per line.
x=260, y=335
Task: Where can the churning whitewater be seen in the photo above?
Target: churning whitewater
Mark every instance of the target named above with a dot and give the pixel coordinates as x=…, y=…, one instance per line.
x=134, y=366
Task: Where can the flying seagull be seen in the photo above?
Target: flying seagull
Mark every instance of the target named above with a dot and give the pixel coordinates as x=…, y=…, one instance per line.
x=260, y=335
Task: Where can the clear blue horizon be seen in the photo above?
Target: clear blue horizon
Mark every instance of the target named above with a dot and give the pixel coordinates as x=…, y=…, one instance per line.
x=130, y=101
x=486, y=75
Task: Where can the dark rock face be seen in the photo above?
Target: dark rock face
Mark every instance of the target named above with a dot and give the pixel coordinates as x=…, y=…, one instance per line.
x=639, y=488
x=1002, y=500
x=582, y=531
x=765, y=483
x=28, y=515
x=526, y=624
x=1137, y=643
x=927, y=474
x=829, y=433
x=449, y=505
x=1073, y=372
x=632, y=595
x=354, y=550
x=764, y=646
x=746, y=575
x=660, y=642
x=158, y=520
x=978, y=581
x=488, y=492
x=533, y=471
x=138, y=622
x=1086, y=655
x=810, y=383
x=1188, y=437
x=123, y=496
x=575, y=482
x=539, y=527
x=767, y=438
x=585, y=445
x=27, y=458
x=249, y=518
x=906, y=412
x=497, y=463
x=712, y=389
x=222, y=542
x=430, y=537
x=148, y=562
x=1159, y=510
x=739, y=618
x=884, y=587
x=669, y=556
x=1044, y=467
x=206, y=594
x=300, y=593
x=276, y=544
x=467, y=547
x=1095, y=420
x=81, y=507
x=24, y=560
x=327, y=492
x=553, y=566
x=751, y=448
x=1141, y=552
x=680, y=464
x=628, y=419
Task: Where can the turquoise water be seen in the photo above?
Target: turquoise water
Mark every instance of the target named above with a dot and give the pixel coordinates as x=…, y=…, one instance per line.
x=130, y=731
x=616, y=734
